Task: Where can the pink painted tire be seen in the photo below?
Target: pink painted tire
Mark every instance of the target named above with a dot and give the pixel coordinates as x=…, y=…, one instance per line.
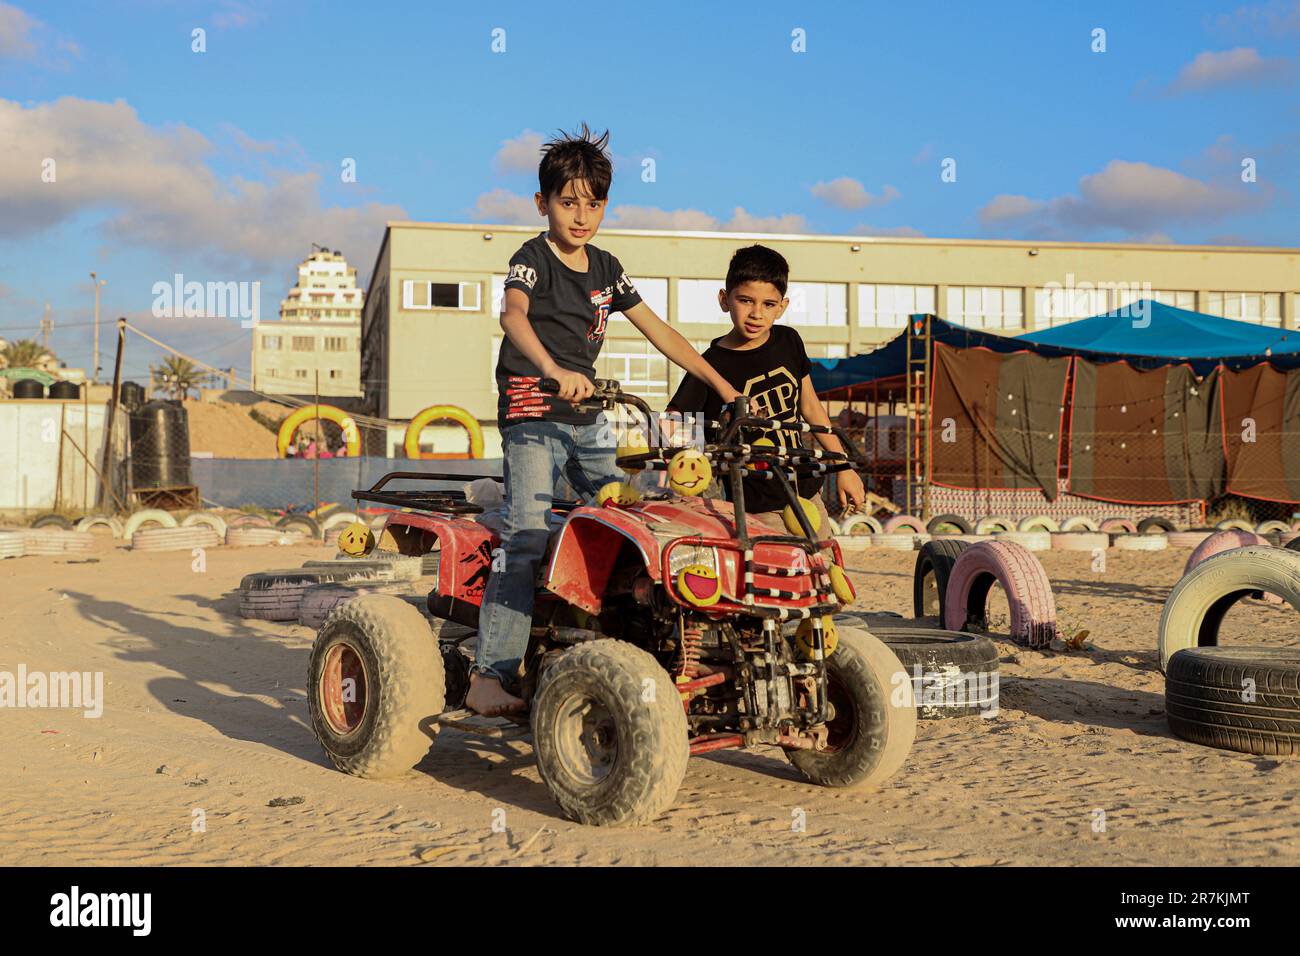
x=1080, y=541
x=1222, y=541
x=1029, y=593
x=1119, y=524
x=901, y=523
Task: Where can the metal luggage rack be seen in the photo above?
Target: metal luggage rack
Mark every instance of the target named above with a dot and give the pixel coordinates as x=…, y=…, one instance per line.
x=442, y=501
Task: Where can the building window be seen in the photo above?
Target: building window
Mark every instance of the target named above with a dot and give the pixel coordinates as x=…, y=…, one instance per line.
x=826, y=350
x=336, y=373
x=1179, y=300
x=271, y=343
x=888, y=306
x=1262, y=308
x=817, y=303
x=304, y=343
x=421, y=295
x=636, y=365
x=697, y=301
x=1059, y=306
x=300, y=373
x=986, y=307
x=654, y=293
x=336, y=343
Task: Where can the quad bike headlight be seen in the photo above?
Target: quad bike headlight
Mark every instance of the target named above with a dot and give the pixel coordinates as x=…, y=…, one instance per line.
x=686, y=555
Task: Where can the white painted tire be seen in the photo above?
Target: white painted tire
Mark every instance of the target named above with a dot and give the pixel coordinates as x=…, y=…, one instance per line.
x=1234, y=524
x=1141, y=542
x=56, y=541
x=245, y=537
x=1186, y=539
x=147, y=516
x=1272, y=527
x=12, y=544
x=854, y=542
x=206, y=519
x=249, y=521
x=865, y=524
x=993, y=524
x=174, y=539
x=340, y=520
x=833, y=526
x=1080, y=541
x=1038, y=523
x=1029, y=540
x=1079, y=523
x=111, y=522
x=1196, y=605
x=894, y=542
x=320, y=599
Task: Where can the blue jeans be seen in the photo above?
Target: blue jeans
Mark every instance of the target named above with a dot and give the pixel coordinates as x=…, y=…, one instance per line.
x=536, y=455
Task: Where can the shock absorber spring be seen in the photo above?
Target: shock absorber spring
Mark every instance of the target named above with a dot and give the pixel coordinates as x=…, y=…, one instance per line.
x=692, y=641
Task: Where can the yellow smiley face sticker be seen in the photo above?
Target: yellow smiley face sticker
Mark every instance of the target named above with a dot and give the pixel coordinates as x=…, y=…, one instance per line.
x=699, y=584
x=617, y=493
x=689, y=472
x=803, y=637
x=356, y=540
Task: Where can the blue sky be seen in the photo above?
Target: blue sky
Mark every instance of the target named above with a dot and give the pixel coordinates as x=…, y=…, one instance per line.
x=225, y=165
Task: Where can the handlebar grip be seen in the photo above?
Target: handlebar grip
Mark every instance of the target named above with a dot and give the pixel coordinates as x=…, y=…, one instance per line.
x=548, y=385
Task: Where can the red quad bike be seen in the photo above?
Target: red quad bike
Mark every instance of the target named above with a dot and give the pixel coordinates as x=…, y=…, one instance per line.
x=662, y=629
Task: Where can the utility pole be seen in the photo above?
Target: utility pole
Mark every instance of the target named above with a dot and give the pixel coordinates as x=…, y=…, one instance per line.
x=99, y=284
x=46, y=325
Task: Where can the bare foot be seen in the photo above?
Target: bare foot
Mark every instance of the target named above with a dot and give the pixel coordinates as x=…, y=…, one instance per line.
x=488, y=698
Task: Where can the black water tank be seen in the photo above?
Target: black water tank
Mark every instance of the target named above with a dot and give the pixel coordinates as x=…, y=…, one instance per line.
x=131, y=395
x=65, y=390
x=28, y=388
x=160, y=445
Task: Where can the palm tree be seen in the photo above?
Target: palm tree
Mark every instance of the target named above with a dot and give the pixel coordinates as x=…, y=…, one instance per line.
x=24, y=354
x=177, y=376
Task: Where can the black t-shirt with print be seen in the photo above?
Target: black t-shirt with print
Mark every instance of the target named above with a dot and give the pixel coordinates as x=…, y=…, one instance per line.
x=569, y=311
x=772, y=376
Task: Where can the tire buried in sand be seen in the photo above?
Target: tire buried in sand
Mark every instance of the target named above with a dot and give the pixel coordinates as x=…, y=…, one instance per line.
x=953, y=674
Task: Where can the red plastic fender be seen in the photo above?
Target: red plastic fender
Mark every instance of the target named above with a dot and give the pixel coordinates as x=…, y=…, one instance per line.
x=1029, y=593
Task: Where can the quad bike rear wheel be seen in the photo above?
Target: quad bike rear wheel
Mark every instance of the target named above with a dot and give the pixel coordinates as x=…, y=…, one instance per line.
x=610, y=734
x=375, y=682
x=874, y=723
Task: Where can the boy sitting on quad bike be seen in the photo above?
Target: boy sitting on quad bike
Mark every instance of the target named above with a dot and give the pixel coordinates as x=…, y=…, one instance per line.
x=559, y=292
x=768, y=364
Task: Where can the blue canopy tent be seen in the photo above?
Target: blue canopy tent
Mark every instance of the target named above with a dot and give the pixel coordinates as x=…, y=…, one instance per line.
x=1146, y=334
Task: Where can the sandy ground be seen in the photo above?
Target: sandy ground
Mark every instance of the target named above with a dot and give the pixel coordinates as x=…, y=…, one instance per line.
x=206, y=712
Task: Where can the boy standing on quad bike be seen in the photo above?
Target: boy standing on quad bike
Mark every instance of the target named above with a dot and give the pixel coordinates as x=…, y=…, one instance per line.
x=559, y=293
x=768, y=363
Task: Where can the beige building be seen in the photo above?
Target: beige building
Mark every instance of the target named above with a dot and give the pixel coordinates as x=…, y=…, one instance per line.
x=318, y=333
x=430, y=330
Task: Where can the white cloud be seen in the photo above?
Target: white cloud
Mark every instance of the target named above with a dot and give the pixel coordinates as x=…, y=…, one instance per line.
x=848, y=193
x=742, y=221
x=1136, y=198
x=155, y=189
x=650, y=217
x=16, y=29
x=1240, y=66
x=521, y=154
x=1268, y=19
x=235, y=15
x=506, y=208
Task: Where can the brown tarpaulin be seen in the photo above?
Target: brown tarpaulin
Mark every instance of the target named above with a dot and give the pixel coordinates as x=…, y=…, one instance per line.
x=1144, y=437
x=1261, y=416
x=996, y=419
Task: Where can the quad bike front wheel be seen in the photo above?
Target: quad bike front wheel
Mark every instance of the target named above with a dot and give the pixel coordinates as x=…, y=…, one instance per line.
x=874, y=720
x=375, y=681
x=610, y=734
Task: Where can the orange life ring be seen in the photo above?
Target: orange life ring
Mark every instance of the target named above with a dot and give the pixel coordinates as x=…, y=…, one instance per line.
x=436, y=413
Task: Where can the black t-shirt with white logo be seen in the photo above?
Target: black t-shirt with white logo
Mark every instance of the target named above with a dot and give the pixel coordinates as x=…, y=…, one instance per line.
x=772, y=377
x=569, y=311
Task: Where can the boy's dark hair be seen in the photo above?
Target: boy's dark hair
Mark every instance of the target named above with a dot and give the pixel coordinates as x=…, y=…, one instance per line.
x=758, y=264
x=569, y=158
